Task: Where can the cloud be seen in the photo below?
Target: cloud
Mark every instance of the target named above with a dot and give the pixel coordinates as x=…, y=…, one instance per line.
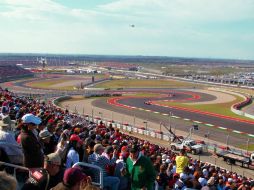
x=30, y=9
x=206, y=10
x=162, y=27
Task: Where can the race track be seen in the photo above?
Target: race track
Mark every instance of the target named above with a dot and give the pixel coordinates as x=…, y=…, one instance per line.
x=230, y=123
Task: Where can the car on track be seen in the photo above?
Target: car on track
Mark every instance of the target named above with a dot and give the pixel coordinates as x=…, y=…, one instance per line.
x=189, y=145
x=148, y=102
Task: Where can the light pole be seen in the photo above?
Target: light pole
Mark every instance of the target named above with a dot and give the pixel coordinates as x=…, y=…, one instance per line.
x=134, y=120
x=227, y=139
x=92, y=114
x=248, y=141
x=169, y=120
x=145, y=122
x=101, y=114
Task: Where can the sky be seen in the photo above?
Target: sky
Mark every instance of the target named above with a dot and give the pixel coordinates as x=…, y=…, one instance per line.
x=179, y=28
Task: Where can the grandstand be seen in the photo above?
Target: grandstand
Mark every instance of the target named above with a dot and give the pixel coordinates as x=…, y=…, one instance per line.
x=13, y=72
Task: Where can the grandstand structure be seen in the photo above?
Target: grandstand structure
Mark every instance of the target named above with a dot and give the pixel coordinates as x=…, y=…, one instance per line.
x=13, y=72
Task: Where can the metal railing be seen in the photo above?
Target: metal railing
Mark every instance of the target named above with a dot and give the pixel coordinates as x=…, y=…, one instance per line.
x=15, y=167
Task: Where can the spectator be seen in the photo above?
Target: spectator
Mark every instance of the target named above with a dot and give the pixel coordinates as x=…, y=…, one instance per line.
x=74, y=179
x=53, y=139
x=62, y=145
x=181, y=161
x=229, y=184
x=140, y=170
x=33, y=153
x=92, y=159
x=162, y=178
x=47, y=177
x=57, y=133
x=105, y=161
x=72, y=153
x=52, y=163
x=120, y=171
x=180, y=183
x=9, y=146
x=45, y=141
x=173, y=180
x=210, y=184
x=89, y=150
x=7, y=182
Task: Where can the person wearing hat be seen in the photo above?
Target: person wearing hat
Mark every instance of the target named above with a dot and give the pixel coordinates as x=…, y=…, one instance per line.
x=44, y=137
x=47, y=177
x=9, y=145
x=210, y=184
x=180, y=183
x=53, y=141
x=52, y=163
x=140, y=169
x=74, y=179
x=105, y=160
x=33, y=153
x=72, y=150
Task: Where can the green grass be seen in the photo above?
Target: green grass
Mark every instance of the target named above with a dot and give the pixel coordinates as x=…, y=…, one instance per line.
x=142, y=94
x=220, y=108
x=145, y=83
x=45, y=83
x=244, y=147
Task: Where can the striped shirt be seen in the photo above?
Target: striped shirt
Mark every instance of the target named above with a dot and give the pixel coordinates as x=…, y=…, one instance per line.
x=101, y=161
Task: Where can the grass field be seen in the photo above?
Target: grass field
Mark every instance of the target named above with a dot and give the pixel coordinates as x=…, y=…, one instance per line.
x=48, y=83
x=142, y=95
x=146, y=83
x=45, y=83
x=244, y=147
x=220, y=108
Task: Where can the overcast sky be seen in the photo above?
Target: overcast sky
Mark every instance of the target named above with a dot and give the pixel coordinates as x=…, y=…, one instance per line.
x=186, y=28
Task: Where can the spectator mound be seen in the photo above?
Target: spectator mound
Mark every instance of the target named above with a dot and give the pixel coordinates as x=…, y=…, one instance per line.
x=13, y=72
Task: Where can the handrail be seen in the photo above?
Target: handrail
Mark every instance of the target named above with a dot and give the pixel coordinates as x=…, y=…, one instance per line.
x=95, y=167
x=15, y=167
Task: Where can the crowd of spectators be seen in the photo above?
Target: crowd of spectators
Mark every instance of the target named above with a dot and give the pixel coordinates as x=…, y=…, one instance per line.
x=49, y=141
x=12, y=71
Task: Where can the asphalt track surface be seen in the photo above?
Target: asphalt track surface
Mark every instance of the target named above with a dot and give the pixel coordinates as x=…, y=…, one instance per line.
x=229, y=123
x=217, y=121
x=214, y=133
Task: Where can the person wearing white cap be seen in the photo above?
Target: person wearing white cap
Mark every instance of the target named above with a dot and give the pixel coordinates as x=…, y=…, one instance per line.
x=180, y=183
x=205, y=173
x=210, y=184
x=33, y=153
x=202, y=181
